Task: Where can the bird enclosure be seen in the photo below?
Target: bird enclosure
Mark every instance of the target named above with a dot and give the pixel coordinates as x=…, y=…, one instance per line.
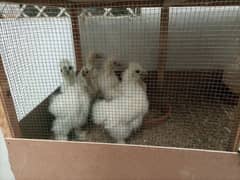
x=189, y=51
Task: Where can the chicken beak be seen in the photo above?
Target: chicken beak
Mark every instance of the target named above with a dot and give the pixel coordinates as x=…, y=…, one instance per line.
x=118, y=64
x=118, y=67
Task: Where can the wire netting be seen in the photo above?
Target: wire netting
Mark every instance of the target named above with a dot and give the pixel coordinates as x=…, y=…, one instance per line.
x=189, y=52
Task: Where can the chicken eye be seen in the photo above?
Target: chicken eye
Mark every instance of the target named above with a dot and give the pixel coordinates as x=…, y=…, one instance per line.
x=137, y=71
x=61, y=70
x=86, y=71
x=70, y=67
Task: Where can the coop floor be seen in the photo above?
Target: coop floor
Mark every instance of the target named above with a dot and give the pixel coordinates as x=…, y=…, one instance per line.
x=193, y=124
x=189, y=126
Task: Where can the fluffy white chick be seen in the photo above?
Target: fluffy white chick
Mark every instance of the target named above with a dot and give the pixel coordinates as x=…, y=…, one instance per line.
x=107, y=80
x=68, y=72
x=71, y=108
x=91, y=69
x=5, y=167
x=124, y=114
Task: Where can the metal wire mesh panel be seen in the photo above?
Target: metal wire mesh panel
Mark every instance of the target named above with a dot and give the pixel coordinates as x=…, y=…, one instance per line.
x=139, y=72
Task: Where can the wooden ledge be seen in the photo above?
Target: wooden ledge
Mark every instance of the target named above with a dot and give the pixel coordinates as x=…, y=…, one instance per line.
x=40, y=159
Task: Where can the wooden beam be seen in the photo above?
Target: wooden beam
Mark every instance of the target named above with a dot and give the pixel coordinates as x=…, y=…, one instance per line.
x=234, y=141
x=74, y=160
x=4, y=124
x=76, y=35
x=8, y=104
x=163, y=51
x=91, y=3
x=182, y=3
x=128, y=3
x=236, y=144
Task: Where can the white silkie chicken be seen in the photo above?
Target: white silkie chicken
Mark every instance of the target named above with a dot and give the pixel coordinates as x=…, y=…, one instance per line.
x=71, y=106
x=124, y=114
x=90, y=67
x=68, y=72
x=107, y=80
x=104, y=80
x=5, y=167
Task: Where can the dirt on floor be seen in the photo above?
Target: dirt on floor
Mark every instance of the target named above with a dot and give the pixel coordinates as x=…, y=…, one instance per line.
x=201, y=126
x=193, y=123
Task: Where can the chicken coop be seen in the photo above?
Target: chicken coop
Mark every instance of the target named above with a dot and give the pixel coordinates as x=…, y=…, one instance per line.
x=187, y=107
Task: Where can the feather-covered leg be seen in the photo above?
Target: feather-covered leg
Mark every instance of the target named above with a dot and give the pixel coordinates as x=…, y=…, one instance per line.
x=61, y=128
x=80, y=134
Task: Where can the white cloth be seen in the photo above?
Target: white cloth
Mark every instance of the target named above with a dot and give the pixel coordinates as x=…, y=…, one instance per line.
x=5, y=167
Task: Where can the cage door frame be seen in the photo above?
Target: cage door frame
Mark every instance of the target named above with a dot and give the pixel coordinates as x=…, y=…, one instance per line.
x=11, y=120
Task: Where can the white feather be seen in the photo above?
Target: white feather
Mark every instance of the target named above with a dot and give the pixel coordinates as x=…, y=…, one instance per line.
x=125, y=113
x=70, y=108
x=103, y=81
x=91, y=68
x=107, y=81
x=5, y=167
x=68, y=73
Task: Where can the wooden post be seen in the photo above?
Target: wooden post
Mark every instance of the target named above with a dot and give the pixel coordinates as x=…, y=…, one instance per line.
x=129, y=3
x=8, y=106
x=234, y=141
x=236, y=144
x=4, y=125
x=76, y=35
x=163, y=42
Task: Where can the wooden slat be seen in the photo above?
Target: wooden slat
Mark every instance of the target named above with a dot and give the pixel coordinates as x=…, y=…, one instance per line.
x=179, y=3
x=130, y=3
x=236, y=144
x=234, y=141
x=7, y=102
x=163, y=51
x=76, y=35
x=4, y=124
x=48, y=160
x=91, y=3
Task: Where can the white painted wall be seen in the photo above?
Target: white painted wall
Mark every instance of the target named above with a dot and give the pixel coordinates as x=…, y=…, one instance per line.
x=125, y=38
x=32, y=48
x=203, y=37
x=199, y=37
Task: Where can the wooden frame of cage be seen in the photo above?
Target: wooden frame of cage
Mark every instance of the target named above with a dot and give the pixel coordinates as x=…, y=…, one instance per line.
x=48, y=160
x=72, y=5
x=102, y=161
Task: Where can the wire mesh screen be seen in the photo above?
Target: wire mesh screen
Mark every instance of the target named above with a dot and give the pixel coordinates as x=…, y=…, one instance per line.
x=135, y=72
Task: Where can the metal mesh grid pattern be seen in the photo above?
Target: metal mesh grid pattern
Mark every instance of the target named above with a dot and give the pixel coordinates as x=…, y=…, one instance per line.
x=190, y=55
